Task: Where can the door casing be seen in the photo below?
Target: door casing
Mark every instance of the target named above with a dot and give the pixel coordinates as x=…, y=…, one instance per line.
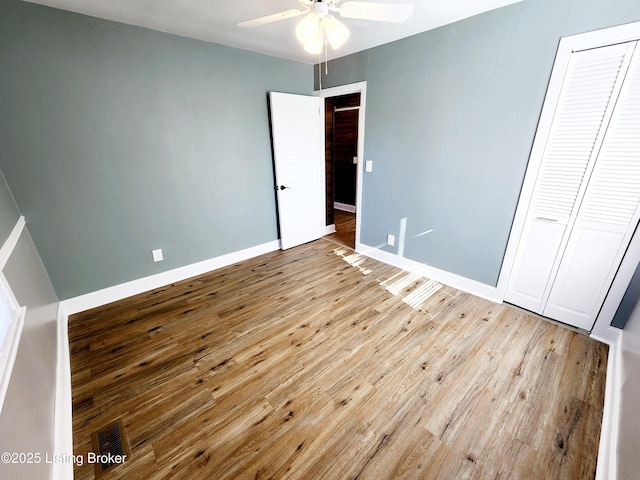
x=359, y=87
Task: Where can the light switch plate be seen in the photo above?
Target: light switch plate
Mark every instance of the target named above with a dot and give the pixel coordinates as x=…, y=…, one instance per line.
x=157, y=255
x=368, y=166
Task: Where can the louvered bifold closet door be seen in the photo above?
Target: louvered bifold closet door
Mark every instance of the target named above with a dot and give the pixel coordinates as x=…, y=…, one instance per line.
x=607, y=216
x=592, y=82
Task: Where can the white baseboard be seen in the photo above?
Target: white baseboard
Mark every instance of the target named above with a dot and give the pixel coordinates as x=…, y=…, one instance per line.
x=607, y=466
x=451, y=279
x=329, y=229
x=134, y=287
x=63, y=441
x=609, y=335
x=63, y=414
x=345, y=207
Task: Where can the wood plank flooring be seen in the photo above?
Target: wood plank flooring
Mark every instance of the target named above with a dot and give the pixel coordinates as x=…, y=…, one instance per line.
x=316, y=363
x=345, y=233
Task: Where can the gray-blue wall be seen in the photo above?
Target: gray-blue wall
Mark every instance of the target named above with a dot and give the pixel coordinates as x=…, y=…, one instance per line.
x=9, y=213
x=117, y=140
x=629, y=301
x=451, y=115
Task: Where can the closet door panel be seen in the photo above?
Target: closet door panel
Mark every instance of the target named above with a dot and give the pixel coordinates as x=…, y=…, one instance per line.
x=584, y=276
x=607, y=217
x=591, y=85
x=541, y=243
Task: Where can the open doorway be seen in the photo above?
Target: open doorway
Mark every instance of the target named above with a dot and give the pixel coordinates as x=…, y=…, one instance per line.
x=342, y=220
x=341, y=161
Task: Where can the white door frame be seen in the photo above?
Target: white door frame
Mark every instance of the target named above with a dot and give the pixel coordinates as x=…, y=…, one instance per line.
x=361, y=88
x=567, y=46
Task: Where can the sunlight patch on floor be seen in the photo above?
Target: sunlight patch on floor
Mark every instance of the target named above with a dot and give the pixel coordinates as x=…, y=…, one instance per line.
x=354, y=259
x=412, y=288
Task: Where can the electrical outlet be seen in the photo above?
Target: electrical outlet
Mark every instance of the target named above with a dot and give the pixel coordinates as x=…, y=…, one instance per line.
x=157, y=255
x=391, y=240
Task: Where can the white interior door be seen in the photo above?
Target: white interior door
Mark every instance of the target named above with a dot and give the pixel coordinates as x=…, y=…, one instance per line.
x=297, y=131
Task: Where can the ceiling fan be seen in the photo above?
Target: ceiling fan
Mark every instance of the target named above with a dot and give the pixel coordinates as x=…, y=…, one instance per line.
x=320, y=27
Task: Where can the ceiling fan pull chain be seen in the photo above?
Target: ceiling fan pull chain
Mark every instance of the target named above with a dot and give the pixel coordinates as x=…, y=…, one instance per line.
x=326, y=59
x=320, y=69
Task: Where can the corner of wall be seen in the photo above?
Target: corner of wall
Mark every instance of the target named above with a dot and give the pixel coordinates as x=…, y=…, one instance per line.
x=63, y=419
x=606, y=468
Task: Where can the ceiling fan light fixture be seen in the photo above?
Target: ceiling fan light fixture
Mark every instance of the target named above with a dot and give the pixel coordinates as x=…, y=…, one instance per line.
x=314, y=31
x=337, y=33
x=319, y=27
x=314, y=46
x=308, y=28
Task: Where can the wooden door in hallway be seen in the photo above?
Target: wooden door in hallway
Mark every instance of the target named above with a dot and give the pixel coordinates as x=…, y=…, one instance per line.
x=341, y=155
x=345, y=149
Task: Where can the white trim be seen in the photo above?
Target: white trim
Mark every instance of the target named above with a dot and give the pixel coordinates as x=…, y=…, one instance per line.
x=359, y=87
x=134, y=287
x=13, y=337
x=607, y=466
x=345, y=207
x=451, y=279
x=7, y=248
x=329, y=229
x=601, y=329
x=601, y=38
x=567, y=46
x=63, y=413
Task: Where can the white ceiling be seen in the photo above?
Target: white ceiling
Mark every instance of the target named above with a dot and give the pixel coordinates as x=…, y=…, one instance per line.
x=216, y=21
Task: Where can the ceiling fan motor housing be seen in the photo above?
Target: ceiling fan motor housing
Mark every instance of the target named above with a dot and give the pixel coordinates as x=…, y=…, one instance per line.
x=321, y=9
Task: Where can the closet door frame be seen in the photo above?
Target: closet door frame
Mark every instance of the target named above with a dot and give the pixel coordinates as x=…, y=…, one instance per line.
x=568, y=45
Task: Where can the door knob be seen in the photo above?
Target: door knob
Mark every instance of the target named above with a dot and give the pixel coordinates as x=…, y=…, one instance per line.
x=282, y=187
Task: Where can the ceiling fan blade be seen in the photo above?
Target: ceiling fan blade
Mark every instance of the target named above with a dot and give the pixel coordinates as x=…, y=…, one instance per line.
x=256, y=22
x=382, y=12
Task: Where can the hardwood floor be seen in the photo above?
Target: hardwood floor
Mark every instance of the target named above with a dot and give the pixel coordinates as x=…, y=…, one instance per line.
x=317, y=363
x=345, y=233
